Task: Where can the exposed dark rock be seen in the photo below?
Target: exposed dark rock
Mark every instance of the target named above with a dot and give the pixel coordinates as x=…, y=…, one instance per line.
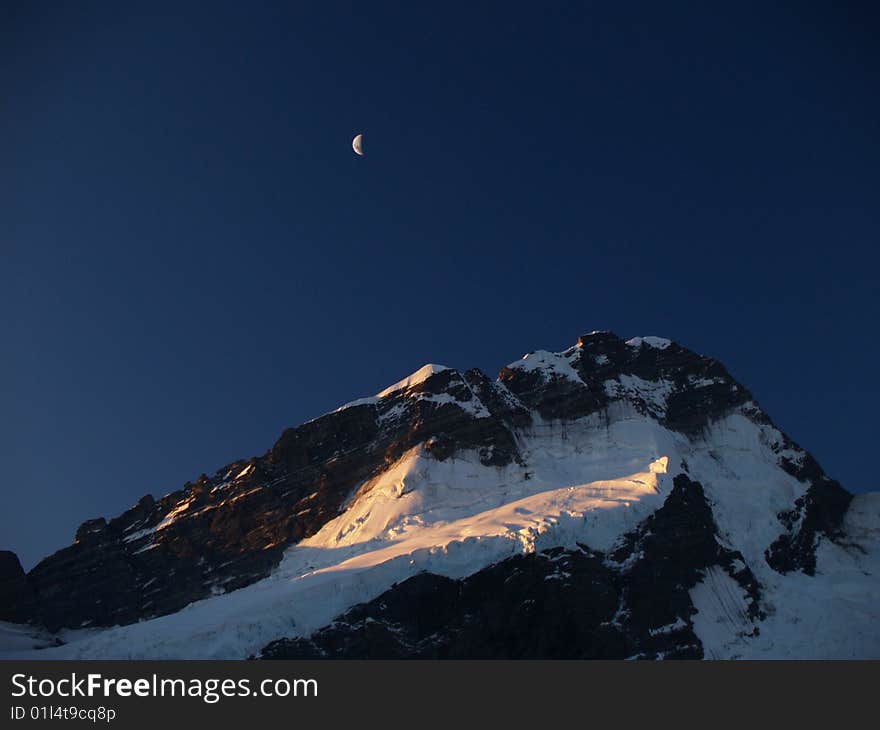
x=817, y=513
x=703, y=390
x=500, y=403
x=423, y=418
x=91, y=530
x=88, y=583
x=553, y=397
x=561, y=604
x=678, y=542
x=17, y=600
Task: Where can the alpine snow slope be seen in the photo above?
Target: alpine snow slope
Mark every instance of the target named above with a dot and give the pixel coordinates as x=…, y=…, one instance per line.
x=618, y=499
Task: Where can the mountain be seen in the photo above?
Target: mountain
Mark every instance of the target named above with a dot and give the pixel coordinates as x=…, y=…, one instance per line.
x=616, y=499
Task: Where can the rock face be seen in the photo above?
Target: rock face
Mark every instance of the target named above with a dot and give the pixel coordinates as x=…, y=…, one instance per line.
x=17, y=599
x=226, y=531
x=603, y=368
x=557, y=604
x=820, y=511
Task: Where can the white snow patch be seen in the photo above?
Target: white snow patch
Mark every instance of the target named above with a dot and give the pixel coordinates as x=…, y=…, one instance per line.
x=722, y=618
x=474, y=406
x=659, y=343
x=549, y=364
x=16, y=638
x=419, y=376
x=174, y=513
x=654, y=393
x=834, y=614
x=369, y=400
x=170, y=517
x=676, y=625
x=139, y=534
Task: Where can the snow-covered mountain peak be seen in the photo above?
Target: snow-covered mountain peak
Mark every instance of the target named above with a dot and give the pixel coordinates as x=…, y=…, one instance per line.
x=636, y=481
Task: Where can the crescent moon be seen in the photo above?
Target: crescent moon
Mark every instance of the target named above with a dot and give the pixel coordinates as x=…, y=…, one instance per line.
x=357, y=144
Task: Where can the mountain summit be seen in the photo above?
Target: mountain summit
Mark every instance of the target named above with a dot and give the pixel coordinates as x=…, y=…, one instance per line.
x=621, y=498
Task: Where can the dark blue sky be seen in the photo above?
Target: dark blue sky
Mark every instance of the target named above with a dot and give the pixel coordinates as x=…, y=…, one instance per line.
x=193, y=258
